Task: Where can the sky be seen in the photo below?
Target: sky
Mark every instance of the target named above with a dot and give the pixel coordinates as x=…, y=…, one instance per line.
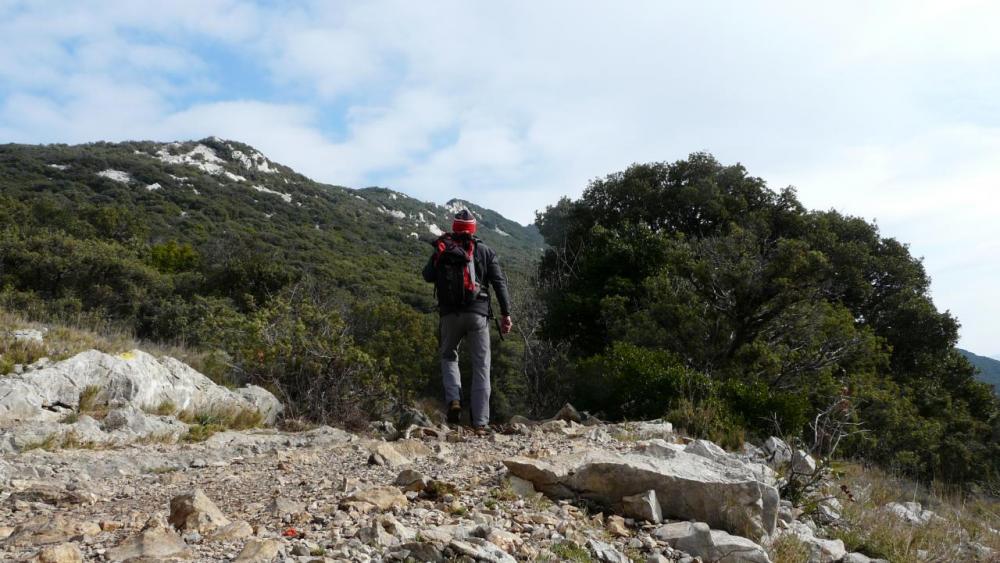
x=884, y=110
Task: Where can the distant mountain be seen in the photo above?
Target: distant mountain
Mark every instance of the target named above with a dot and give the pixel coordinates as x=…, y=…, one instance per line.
x=988, y=368
x=225, y=199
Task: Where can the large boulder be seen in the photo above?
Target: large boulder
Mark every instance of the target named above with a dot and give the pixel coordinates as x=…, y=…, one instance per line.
x=132, y=378
x=687, y=486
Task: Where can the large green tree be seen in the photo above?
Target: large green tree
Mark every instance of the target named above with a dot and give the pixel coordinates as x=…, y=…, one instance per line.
x=669, y=269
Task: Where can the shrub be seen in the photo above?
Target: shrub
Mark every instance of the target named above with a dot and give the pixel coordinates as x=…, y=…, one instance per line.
x=299, y=347
x=634, y=382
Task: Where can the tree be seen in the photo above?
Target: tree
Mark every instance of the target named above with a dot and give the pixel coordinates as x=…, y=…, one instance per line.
x=779, y=308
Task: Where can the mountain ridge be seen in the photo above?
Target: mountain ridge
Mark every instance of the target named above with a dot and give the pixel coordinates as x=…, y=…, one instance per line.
x=987, y=369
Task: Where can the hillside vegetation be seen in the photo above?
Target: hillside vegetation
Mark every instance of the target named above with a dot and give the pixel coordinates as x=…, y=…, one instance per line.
x=212, y=246
x=987, y=369
x=687, y=290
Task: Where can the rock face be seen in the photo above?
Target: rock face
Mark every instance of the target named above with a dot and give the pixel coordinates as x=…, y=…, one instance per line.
x=132, y=378
x=687, y=486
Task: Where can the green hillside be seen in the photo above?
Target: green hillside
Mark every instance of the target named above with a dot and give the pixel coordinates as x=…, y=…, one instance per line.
x=236, y=210
x=987, y=369
x=309, y=289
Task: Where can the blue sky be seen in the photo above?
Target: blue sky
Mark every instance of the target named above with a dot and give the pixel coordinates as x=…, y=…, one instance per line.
x=889, y=110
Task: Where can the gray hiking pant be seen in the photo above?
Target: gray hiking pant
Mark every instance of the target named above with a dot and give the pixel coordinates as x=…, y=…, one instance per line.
x=474, y=328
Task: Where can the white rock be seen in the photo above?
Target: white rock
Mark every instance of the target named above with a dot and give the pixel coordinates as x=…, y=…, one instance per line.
x=643, y=506
x=29, y=335
x=132, y=378
x=820, y=550
x=134, y=421
x=606, y=553
x=699, y=540
x=803, y=463
x=709, y=450
x=777, y=451
x=706, y=449
x=115, y=175
x=481, y=550
x=648, y=430
x=687, y=486
x=912, y=512
x=286, y=197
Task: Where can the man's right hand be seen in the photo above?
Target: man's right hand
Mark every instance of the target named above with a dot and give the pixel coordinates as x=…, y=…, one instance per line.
x=506, y=324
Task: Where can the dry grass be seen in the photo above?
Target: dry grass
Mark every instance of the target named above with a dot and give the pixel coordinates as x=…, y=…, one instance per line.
x=788, y=549
x=66, y=340
x=60, y=342
x=56, y=441
x=871, y=530
x=203, y=424
x=91, y=403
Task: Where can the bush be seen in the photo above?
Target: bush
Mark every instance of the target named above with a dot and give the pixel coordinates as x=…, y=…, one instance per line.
x=299, y=347
x=639, y=383
x=709, y=420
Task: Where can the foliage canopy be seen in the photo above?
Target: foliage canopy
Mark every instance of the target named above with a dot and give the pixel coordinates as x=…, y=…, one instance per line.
x=691, y=285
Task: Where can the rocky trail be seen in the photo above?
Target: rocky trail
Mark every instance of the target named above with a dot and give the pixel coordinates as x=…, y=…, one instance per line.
x=571, y=488
x=327, y=495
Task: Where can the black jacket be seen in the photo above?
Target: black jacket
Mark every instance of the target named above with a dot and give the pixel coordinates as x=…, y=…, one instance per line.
x=488, y=274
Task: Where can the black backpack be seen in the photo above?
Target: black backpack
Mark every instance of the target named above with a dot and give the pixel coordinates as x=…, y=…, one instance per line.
x=455, y=282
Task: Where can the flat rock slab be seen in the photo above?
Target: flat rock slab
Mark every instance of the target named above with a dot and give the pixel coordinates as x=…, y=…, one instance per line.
x=687, y=486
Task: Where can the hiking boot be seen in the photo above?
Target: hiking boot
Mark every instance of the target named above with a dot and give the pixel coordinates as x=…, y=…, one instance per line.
x=454, y=412
x=481, y=431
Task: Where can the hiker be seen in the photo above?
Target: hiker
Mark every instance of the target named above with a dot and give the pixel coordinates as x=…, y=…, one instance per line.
x=462, y=269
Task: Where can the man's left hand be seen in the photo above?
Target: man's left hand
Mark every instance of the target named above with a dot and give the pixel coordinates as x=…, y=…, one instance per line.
x=506, y=324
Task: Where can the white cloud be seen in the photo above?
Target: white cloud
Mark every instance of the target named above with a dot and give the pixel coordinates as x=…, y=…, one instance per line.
x=885, y=110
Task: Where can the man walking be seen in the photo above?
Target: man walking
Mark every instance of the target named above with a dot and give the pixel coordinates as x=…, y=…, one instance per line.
x=462, y=269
